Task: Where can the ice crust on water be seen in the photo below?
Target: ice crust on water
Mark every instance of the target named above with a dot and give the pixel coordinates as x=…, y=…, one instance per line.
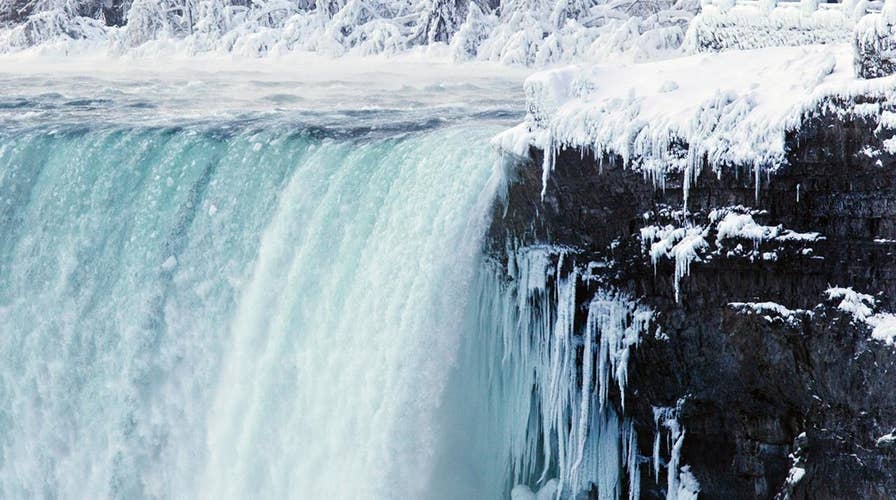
x=729, y=109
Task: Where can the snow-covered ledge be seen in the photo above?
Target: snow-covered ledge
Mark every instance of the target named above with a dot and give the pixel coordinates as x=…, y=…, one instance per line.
x=731, y=109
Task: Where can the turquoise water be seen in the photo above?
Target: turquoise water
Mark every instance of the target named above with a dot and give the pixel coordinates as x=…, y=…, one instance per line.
x=238, y=288
x=232, y=311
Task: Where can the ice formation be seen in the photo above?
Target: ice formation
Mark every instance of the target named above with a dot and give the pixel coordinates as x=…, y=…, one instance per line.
x=681, y=483
x=561, y=418
x=682, y=245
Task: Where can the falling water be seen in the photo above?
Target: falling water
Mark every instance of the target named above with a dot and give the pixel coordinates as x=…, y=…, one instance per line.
x=287, y=304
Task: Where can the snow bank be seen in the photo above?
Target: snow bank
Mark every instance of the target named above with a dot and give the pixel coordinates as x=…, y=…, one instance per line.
x=732, y=108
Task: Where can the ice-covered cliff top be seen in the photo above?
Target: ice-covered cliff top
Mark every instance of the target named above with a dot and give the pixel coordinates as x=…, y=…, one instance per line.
x=731, y=108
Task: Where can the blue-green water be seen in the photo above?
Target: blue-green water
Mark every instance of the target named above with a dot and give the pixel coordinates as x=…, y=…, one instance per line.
x=241, y=306
x=268, y=289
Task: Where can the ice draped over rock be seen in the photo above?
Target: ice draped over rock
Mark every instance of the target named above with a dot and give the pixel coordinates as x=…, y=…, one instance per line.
x=551, y=372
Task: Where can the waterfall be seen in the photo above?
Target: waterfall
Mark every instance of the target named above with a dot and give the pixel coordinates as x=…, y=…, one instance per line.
x=237, y=310
x=229, y=312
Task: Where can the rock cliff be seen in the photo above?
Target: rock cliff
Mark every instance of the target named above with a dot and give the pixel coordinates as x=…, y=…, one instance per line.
x=775, y=377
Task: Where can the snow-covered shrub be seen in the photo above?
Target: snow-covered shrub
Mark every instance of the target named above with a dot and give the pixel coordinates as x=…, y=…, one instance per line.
x=51, y=26
x=151, y=19
x=752, y=26
x=517, y=32
x=874, y=44
x=472, y=33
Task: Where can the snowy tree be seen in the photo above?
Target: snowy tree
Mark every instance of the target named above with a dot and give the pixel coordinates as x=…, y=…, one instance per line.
x=150, y=19
x=568, y=9
x=522, y=32
x=440, y=20
x=472, y=33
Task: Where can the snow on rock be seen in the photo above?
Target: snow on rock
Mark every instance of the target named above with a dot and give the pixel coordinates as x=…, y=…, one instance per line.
x=770, y=310
x=731, y=108
x=886, y=440
x=859, y=305
x=883, y=327
x=795, y=475
x=676, y=235
x=683, y=245
x=742, y=226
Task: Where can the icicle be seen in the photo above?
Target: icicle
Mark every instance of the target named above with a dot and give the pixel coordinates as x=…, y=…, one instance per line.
x=634, y=470
x=656, y=452
x=677, y=436
x=561, y=427
x=547, y=165
x=758, y=171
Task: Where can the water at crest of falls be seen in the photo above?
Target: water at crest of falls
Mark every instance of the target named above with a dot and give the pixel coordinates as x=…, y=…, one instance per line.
x=234, y=286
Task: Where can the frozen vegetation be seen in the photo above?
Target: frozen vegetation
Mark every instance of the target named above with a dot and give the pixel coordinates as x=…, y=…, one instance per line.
x=519, y=32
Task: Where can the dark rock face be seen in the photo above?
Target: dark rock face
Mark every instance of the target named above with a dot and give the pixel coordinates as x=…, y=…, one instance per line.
x=759, y=391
